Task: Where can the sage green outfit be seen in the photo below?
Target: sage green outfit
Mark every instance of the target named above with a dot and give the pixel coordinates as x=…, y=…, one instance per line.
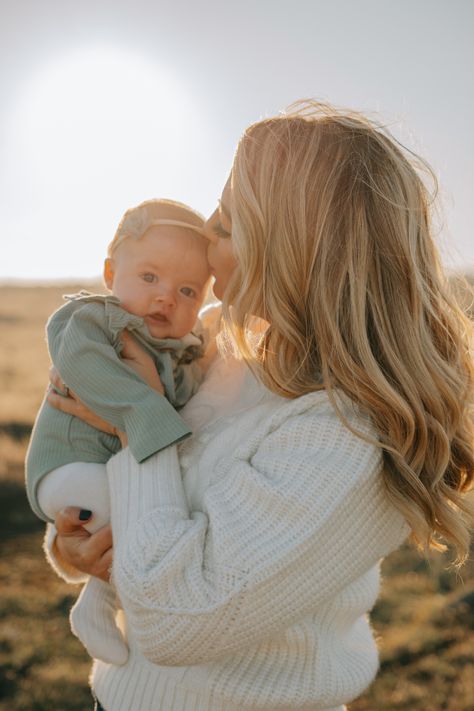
x=84, y=344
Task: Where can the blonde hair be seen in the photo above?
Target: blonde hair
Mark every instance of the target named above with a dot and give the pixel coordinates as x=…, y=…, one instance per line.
x=137, y=220
x=331, y=231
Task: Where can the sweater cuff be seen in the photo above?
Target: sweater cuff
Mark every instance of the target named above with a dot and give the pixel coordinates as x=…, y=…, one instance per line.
x=138, y=489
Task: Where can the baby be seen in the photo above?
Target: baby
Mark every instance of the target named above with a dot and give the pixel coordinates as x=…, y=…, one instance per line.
x=158, y=274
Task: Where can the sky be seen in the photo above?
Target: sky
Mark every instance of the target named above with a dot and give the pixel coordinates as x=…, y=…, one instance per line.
x=105, y=103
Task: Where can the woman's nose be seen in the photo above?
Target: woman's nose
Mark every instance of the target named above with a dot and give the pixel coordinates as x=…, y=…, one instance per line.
x=208, y=232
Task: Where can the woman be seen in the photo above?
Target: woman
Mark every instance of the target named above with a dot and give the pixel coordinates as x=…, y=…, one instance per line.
x=246, y=566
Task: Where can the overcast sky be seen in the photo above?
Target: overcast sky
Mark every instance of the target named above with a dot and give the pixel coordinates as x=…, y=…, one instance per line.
x=106, y=103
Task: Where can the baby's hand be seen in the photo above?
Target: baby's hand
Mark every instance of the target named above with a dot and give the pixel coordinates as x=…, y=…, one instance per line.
x=140, y=361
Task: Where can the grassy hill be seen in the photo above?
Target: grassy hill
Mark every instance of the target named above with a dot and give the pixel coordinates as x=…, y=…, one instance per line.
x=424, y=617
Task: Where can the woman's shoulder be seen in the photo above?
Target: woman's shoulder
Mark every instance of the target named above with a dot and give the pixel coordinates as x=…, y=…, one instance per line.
x=318, y=425
x=323, y=409
x=318, y=411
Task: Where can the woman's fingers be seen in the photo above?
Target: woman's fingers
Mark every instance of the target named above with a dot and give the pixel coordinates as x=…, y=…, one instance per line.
x=72, y=406
x=130, y=347
x=140, y=361
x=89, y=553
x=69, y=521
x=103, y=539
x=64, y=403
x=104, y=566
x=57, y=382
x=101, y=543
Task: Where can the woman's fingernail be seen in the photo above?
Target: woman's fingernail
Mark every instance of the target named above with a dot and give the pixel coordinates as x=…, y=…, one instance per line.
x=84, y=515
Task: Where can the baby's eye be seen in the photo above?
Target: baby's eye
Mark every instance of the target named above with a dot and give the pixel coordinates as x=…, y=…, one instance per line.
x=187, y=291
x=149, y=277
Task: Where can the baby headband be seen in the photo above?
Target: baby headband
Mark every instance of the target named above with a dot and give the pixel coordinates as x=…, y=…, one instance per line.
x=138, y=221
x=177, y=223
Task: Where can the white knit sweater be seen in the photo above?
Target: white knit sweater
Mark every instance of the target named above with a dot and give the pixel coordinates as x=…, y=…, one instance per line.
x=246, y=566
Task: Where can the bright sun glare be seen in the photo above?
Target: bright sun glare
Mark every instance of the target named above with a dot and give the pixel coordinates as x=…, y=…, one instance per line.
x=98, y=95
x=92, y=131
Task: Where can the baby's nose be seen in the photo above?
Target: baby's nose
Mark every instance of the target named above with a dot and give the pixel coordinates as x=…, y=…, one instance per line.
x=165, y=295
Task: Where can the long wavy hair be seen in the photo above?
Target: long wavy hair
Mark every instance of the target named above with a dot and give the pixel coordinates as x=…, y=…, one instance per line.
x=332, y=233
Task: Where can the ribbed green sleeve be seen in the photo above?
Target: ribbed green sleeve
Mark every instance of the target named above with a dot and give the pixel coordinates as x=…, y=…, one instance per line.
x=86, y=356
x=88, y=363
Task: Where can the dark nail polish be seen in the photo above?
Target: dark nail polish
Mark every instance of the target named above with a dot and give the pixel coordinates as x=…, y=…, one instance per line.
x=84, y=515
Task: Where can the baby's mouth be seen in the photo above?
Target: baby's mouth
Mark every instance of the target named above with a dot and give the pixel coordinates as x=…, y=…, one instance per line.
x=159, y=319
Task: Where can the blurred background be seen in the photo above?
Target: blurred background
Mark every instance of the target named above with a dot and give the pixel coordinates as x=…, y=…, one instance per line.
x=106, y=103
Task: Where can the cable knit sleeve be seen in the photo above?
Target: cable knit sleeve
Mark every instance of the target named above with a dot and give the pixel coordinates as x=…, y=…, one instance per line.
x=291, y=517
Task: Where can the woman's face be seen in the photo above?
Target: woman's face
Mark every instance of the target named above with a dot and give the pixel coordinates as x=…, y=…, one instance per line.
x=218, y=230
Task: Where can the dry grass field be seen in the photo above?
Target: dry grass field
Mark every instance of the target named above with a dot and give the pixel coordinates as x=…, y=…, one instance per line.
x=424, y=617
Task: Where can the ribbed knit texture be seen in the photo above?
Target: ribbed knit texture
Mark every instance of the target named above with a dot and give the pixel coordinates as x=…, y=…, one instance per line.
x=245, y=577
x=93, y=621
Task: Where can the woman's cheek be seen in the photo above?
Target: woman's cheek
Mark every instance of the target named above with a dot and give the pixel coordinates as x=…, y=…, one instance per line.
x=216, y=289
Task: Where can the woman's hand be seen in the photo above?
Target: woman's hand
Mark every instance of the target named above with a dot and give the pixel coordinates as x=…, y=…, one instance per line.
x=90, y=553
x=69, y=402
x=140, y=361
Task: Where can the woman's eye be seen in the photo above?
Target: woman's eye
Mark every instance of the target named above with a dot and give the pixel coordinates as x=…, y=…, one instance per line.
x=148, y=277
x=187, y=291
x=220, y=231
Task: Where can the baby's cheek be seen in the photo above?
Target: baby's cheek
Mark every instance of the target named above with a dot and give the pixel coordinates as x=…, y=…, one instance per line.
x=134, y=306
x=193, y=314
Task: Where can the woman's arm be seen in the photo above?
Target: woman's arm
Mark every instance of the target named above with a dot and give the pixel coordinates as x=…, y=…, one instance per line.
x=286, y=525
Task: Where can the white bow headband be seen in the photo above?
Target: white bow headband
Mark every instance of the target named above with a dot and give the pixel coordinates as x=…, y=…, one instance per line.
x=177, y=223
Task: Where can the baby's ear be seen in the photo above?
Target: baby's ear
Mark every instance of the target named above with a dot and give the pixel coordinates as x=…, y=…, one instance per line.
x=109, y=271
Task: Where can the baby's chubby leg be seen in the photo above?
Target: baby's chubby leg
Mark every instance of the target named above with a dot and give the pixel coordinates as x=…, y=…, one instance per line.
x=84, y=484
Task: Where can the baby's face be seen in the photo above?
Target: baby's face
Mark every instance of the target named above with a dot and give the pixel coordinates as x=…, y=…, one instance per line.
x=162, y=277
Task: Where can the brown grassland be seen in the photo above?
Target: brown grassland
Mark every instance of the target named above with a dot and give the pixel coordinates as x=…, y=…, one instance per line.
x=424, y=618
